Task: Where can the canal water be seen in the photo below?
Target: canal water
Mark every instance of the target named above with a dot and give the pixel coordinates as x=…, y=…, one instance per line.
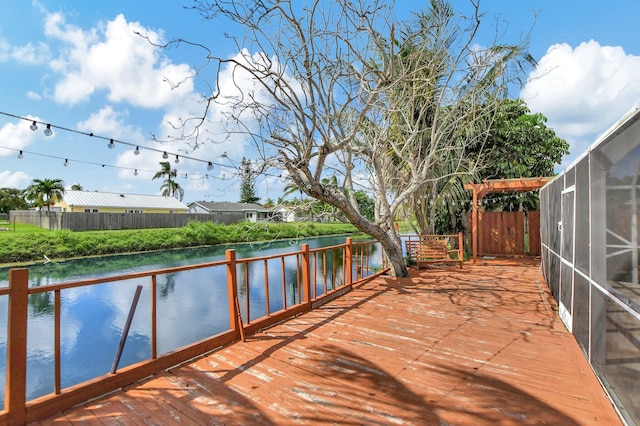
x=191, y=305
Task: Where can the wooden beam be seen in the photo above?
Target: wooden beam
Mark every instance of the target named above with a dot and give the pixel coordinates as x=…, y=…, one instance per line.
x=507, y=185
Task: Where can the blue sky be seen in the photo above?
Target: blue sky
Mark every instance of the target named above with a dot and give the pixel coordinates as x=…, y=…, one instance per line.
x=79, y=65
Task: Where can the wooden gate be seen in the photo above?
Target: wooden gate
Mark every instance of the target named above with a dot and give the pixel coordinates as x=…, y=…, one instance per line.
x=533, y=222
x=505, y=233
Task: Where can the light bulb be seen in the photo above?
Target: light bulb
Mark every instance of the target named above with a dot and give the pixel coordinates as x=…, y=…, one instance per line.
x=137, y=151
x=20, y=156
x=66, y=162
x=165, y=155
x=135, y=172
x=48, y=131
x=33, y=126
x=111, y=145
x=210, y=166
x=177, y=159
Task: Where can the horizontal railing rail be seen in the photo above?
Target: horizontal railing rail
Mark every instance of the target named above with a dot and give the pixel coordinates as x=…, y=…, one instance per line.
x=308, y=277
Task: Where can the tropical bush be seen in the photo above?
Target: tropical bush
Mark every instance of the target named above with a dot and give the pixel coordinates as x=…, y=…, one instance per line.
x=32, y=247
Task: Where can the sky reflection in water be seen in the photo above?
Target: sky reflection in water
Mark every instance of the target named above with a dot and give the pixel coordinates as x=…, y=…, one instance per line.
x=191, y=306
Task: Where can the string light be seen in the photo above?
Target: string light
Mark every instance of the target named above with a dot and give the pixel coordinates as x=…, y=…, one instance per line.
x=21, y=154
x=111, y=145
x=177, y=159
x=66, y=162
x=49, y=131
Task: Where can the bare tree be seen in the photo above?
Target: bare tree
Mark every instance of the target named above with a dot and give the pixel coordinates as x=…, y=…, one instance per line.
x=340, y=88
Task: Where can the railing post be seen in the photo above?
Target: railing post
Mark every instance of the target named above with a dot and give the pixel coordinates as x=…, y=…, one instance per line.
x=16, y=382
x=474, y=228
x=460, y=249
x=232, y=290
x=348, y=254
x=306, y=275
x=154, y=316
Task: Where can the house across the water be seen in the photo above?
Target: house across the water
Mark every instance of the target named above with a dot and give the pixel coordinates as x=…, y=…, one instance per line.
x=117, y=202
x=252, y=212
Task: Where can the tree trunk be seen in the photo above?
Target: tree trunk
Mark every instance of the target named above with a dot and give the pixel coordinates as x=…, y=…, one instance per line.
x=384, y=232
x=396, y=258
x=390, y=242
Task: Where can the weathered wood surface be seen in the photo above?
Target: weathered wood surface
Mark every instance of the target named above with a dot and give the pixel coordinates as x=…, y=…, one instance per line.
x=428, y=249
x=477, y=346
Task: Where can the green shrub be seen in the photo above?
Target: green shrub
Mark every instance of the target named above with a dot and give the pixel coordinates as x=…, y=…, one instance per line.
x=33, y=246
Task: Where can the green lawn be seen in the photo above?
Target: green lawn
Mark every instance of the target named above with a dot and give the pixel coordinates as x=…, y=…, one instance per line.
x=20, y=228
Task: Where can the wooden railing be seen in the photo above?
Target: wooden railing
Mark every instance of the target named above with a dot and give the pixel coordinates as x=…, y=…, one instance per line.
x=321, y=274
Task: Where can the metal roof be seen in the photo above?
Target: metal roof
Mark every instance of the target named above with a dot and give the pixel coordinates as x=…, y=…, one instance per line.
x=115, y=199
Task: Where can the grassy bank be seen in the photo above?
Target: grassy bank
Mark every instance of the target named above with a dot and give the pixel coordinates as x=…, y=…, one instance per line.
x=18, y=247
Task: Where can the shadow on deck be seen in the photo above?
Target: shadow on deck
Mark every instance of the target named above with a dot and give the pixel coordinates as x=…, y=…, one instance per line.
x=478, y=345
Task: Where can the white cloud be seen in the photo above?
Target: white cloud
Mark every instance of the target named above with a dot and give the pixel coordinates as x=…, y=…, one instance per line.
x=583, y=91
x=32, y=54
x=111, y=58
x=17, y=179
x=115, y=59
x=182, y=121
x=109, y=122
x=34, y=96
x=16, y=136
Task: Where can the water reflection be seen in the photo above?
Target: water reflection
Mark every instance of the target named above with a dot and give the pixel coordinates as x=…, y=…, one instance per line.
x=191, y=305
x=41, y=303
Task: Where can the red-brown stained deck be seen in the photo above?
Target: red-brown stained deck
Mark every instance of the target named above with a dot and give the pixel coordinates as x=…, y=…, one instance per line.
x=477, y=346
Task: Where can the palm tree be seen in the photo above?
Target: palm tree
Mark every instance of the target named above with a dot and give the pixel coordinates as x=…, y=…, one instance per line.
x=291, y=188
x=45, y=192
x=170, y=187
x=76, y=187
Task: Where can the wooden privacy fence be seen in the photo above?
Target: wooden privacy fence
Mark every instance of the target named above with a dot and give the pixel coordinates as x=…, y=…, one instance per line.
x=321, y=275
x=81, y=221
x=509, y=233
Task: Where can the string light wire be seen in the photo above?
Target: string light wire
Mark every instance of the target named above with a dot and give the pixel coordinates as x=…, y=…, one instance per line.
x=68, y=161
x=111, y=141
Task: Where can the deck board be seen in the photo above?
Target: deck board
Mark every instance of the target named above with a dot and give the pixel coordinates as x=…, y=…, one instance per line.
x=481, y=345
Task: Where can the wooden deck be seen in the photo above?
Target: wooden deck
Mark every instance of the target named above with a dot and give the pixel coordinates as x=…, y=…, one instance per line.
x=482, y=345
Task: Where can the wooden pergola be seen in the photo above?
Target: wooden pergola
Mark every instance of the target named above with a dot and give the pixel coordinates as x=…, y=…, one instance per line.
x=493, y=186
